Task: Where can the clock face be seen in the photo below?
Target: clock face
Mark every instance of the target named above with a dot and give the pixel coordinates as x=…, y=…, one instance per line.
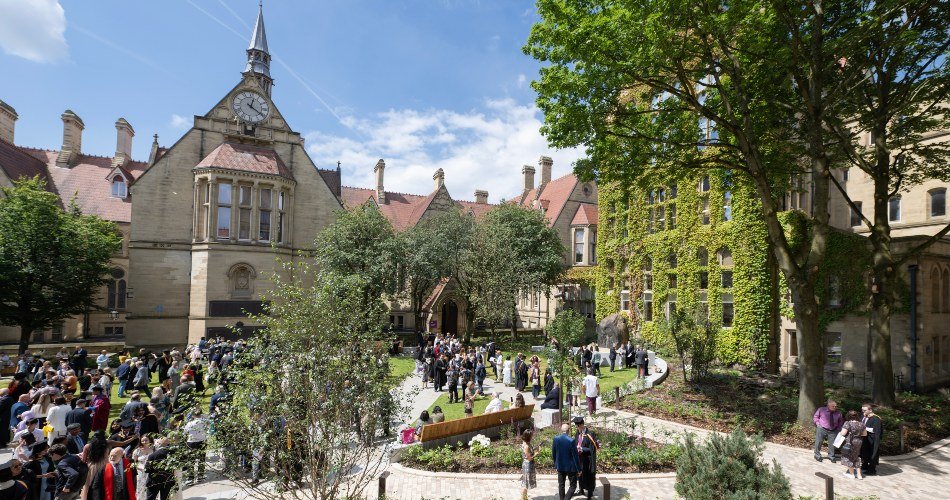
x=250, y=107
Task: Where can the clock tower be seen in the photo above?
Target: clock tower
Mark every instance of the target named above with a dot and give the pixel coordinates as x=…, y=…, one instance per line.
x=258, y=57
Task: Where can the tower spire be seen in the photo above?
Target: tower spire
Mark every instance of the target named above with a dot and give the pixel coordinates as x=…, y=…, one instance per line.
x=258, y=56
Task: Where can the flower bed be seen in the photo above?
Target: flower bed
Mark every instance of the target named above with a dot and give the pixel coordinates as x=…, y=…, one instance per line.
x=619, y=453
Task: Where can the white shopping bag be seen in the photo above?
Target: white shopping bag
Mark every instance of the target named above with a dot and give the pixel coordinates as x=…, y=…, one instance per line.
x=839, y=440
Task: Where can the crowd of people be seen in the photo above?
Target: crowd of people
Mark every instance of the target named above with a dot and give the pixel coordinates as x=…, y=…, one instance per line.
x=57, y=414
x=856, y=436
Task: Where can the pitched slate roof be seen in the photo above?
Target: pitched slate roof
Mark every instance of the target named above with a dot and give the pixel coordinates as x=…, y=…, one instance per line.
x=586, y=215
x=245, y=158
x=553, y=196
x=89, y=184
x=17, y=162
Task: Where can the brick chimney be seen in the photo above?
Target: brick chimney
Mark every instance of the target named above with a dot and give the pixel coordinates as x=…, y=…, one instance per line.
x=481, y=196
x=379, y=169
x=123, y=143
x=439, y=178
x=72, y=139
x=545, y=162
x=8, y=118
x=528, y=172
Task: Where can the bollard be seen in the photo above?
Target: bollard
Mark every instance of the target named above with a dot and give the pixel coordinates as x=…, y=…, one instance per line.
x=829, y=485
x=382, y=484
x=617, y=394
x=903, y=427
x=606, y=484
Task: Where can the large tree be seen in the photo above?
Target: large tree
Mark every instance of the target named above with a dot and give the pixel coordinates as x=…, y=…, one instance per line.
x=53, y=262
x=429, y=247
x=657, y=90
x=894, y=67
x=515, y=252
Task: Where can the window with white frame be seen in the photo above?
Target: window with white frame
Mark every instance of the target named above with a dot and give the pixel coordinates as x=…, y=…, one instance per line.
x=579, y=246
x=244, y=213
x=265, y=210
x=704, y=210
x=119, y=187
x=625, y=300
x=894, y=209
x=725, y=265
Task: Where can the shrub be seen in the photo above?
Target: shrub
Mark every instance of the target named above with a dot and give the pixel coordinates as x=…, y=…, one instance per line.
x=511, y=456
x=728, y=468
x=442, y=457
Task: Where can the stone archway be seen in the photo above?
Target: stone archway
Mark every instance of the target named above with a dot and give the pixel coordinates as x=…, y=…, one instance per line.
x=450, y=317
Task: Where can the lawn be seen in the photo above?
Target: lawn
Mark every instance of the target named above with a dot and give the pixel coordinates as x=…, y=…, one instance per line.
x=768, y=405
x=400, y=367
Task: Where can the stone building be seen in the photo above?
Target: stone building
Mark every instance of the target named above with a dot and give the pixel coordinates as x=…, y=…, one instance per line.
x=701, y=243
x=203, y=220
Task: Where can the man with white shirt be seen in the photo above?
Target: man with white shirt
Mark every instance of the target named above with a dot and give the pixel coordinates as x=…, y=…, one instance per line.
x=591, y=390
x=197, y=431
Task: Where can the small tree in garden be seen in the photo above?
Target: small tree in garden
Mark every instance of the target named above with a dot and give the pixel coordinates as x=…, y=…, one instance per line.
x=308, y=397
x=566, y=330
x=694, y=338
x=728, y=467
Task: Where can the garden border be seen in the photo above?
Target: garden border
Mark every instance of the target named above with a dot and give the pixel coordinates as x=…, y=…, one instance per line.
x=514, y=477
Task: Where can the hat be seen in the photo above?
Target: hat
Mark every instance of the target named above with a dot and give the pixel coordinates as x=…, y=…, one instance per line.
x=72, y=427
x=578, y=421
x=38, y=447
x=5, y=473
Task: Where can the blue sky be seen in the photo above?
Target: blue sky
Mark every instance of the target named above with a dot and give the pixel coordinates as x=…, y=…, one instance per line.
x=425, y=84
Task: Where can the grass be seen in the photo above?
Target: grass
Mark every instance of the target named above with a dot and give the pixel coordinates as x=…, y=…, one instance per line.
x=117, y=403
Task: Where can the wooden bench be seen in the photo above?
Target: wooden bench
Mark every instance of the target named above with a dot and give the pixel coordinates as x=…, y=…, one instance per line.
x=464, y=429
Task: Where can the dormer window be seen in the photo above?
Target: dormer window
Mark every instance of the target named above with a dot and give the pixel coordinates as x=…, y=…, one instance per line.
x=119, y=187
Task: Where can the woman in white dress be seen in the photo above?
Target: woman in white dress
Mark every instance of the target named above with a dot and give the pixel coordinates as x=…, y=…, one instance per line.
x=506, y=371
x=145, y=448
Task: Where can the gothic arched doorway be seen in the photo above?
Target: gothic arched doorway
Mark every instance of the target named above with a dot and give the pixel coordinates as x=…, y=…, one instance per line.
x=450, y=317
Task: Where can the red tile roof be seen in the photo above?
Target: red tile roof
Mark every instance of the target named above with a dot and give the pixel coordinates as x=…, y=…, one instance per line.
x=404, y=210
x=87, y=182
x=430, y=300
x=17, y=163
x=553, y=197
x=586, y=215
x=246, y=158
x=477, y=209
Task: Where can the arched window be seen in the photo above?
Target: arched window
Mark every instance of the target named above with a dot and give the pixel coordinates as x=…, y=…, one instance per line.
x=935, y=287
x=938, y=202
x=116, y=290
x=119, y=187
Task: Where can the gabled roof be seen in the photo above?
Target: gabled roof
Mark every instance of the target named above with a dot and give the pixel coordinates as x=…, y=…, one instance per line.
x=553, y=196
x=430, y=300
x=400, y=208
x=245, y=158
x=332, y=178
x=478, y=209
x=17, y=162
x=586, y=215
x=89, y=183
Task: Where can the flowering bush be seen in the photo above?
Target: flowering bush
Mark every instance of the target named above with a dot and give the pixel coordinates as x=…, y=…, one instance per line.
x=479, y=445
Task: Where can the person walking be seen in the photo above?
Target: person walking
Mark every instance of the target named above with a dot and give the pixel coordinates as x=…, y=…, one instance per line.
x=566, y=461
x=197, y=432
x=596, y=359
x=452, y=375
x=506, y=372
x=535, y=376
x=871, y=450
x=642, y=359
x=827, y=424
x=587, y=448
x=591, y=390
x=70, y=473
x=853, y=431
x=612, y=356
x=529, y=474
x=480, y=375
x=139, y=456
x=469, y=395
x=56, y=418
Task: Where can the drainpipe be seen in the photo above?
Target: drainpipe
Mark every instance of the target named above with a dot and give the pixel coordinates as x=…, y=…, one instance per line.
x=912, y=269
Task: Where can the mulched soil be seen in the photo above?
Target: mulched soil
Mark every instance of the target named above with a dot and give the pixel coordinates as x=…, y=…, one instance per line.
x=769, y=405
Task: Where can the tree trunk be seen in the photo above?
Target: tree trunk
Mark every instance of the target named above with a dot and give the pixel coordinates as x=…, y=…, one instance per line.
x=514, y=323
x=772, y=354
x=882, y=368
x=25, y=332
x=470, y=324
x=811, y=362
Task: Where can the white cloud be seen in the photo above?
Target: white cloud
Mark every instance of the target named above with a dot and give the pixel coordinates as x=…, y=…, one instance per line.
x=522, y=79
x=33, y=29
x=479, y=149
x=180, y=122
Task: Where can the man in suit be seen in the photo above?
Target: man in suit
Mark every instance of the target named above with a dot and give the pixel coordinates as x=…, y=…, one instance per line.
x=160, y=475
x=628, y=362
x=565, y=458
x=587, y=446
x=79, y=359
x=641, y=359
x=70, y=473
x=82, y=416
x=74, y=439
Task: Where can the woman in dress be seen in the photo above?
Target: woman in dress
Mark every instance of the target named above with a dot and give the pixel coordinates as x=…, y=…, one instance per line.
x=506, y=371
x=529, y=474
x=469, y=398
x=853, y=430
x=146, y=447
x=41, y=409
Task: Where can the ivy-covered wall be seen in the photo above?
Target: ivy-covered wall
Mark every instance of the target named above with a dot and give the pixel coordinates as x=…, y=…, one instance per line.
x=626, y=241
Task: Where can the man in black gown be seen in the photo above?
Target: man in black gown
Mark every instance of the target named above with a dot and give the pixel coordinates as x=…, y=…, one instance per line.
x=587, y=446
